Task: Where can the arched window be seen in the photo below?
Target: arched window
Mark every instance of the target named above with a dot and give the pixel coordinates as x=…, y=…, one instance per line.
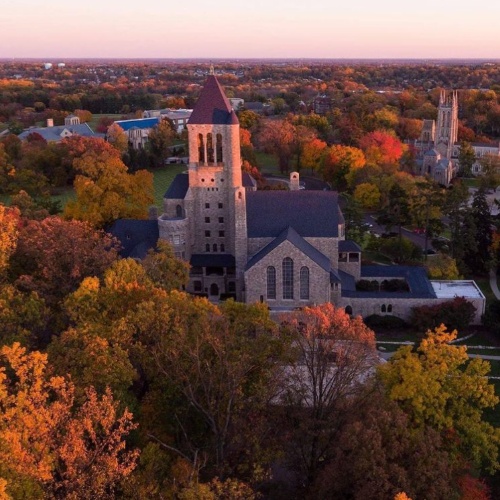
x=201, y=149
x=304, y=283
x=383, y=309
x=219, y=148
x=210, y=148
x=287, y=278
x=214, y=247
x=231, y=287
x=271, y=282
x=389, y=308
x=178, y=211
x=222, y=247
x=348, y=310
x=207, y=247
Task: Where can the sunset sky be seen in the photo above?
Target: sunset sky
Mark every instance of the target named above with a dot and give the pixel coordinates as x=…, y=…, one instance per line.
x=254, y=29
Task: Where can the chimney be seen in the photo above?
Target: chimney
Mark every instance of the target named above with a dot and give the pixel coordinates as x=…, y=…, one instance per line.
x=294, y=181
x=50, y=122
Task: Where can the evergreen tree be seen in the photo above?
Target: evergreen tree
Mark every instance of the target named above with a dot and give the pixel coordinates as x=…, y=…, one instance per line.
x=466, y=158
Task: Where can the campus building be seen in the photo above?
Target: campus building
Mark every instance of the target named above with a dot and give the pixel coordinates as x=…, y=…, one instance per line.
x=284, y=248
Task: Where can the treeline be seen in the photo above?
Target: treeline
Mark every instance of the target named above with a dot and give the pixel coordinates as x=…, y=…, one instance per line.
x=115, y=384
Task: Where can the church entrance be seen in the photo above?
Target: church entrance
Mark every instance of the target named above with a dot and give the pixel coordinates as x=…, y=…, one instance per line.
x=214, y=289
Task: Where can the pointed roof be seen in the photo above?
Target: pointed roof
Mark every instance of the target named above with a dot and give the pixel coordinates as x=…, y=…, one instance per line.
x=213, y=107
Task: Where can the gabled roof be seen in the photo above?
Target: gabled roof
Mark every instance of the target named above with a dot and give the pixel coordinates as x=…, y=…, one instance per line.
x=178, y=189
x=135, y=236
x=348, y=246
x=213, y=107
x=53, y=134
x=289, y=234
x=310, y=213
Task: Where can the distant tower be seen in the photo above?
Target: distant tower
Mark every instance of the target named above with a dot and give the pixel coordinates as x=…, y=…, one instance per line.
x=447, y=123
x=215, y=181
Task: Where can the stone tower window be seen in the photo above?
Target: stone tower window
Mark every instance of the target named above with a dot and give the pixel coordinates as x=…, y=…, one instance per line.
x=304, y=283
x=383, y=309
x=178, y=211
x=210, y=149
x=219, y=148
x=348, y=310
x=222, y=247
x=287, y=268
x=207, y=247
x=214, y=247
x=201, y=148
x=271, y=282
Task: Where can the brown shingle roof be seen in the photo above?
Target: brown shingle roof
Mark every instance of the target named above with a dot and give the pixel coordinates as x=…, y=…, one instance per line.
x=213, y=107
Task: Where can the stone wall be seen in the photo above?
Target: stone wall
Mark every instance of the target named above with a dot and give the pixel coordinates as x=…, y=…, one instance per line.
x=256, y=279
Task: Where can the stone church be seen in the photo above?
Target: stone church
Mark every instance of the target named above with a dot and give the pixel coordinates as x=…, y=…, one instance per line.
x=438, y=147
x=284, y=248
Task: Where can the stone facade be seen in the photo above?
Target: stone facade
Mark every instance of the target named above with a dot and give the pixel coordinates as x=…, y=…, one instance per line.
x=285, y=248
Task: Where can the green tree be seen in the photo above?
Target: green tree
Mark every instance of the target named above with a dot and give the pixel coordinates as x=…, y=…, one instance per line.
x=438, y=385
x=466, y=158
x=160, y=140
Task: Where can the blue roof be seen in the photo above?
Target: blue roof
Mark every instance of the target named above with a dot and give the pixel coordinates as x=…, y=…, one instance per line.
x=415, y=277
x=135, y=236
x=289, y=234
x=178, y=189
x=310, y=213
x=138, y=123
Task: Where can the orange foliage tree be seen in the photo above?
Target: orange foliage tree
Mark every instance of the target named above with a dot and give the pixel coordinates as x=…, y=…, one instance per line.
x=50, y=447
x=9, y=222
x=381, y=148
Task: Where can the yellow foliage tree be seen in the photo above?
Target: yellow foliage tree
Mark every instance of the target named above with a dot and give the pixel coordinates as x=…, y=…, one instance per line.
x=9, y=221
x=105, y=191
x=438, y=385
x=117, y=137
x=368, y=195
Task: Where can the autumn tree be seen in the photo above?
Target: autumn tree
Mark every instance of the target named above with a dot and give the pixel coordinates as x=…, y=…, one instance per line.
x=105, y=191
x=367, y=195
x=164, y=269
x=278, y=137
x=9, y=231
x=160, y=139
x=53, y=256
x=334, y=354
x=52, y=448
x=442, y=267
x=378, y=453
x=312, y=154
x=382, y=148
x=438, y=385
x=117, y=138
x=338, y=162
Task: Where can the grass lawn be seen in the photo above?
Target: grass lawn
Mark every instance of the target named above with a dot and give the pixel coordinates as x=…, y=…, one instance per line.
x=375, y=257
x=471, y=182
x=95, y=119
x=484, y=284
x=267, y=163
x=162, y=178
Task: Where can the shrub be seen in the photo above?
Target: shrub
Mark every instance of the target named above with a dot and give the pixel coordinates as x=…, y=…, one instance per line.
x=456, y=315
x=376, y=321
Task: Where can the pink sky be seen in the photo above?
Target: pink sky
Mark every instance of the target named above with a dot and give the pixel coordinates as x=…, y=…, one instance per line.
x=261, y=28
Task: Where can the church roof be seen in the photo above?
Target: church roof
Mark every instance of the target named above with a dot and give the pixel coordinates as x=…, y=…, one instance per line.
x=415, y=277
x=431, y=152
x=289, y=234
x=136, y=236
x=348, y=246
x=178, y=189
x=310, y=213
x=213, y=107
x=53, y=134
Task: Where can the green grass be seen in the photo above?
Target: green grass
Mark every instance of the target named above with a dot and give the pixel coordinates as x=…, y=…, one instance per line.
x=369, y=256
x=95, y=119
x=484, y=284
x=471, y=182
x=162, y=178
x=267, y=163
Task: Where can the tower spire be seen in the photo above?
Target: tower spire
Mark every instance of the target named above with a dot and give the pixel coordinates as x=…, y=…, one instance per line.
x=212, y=71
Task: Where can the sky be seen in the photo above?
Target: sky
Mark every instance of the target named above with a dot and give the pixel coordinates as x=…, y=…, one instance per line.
x=59, y=29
